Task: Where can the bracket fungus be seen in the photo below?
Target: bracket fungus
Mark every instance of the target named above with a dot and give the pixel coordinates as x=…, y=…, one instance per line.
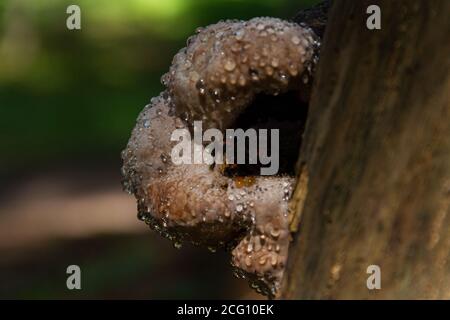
x=253, y=74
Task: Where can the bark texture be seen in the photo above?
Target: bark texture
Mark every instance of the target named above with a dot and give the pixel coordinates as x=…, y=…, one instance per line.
x=376, y=158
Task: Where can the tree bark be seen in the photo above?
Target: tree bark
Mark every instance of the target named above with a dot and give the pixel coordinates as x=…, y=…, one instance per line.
x=374, y=167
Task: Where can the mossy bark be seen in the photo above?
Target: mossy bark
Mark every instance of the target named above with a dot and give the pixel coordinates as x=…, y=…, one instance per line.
x=376, y=157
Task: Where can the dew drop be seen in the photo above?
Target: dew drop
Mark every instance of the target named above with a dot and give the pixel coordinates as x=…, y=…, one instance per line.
x=305, y=79
x=194, y=76
x=242, y=80
x=212, y=249
x=239, y=34
x=230, y=65
x=274, y=62
x=200, y=85
x=216, y=94
x=269, y=70
x=141, y=216
x=235, y=47
x=232, y=81
x=273, y=261
x=293, y=70
x=295, y=40
x=254, y=75
x=275, y=233
x=177, y=245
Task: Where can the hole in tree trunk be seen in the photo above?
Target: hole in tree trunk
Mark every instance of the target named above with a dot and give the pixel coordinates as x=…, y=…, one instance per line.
x=285, y=112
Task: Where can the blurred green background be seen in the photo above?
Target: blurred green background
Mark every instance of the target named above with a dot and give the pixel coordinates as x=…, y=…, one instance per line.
x=68, y=102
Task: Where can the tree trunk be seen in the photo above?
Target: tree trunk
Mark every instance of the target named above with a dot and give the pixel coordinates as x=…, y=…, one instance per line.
x=376, y=158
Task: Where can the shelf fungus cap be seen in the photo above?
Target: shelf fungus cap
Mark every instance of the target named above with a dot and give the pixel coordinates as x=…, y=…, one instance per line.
x=224, y=67
x=183, y=202
x=195, y=203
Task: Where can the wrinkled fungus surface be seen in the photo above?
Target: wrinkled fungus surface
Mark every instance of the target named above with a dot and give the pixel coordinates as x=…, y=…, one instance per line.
x=217, y=78
x=227, y=64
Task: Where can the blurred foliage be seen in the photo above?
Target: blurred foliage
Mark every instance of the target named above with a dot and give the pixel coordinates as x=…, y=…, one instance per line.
x=74, y=95
x=119, y=267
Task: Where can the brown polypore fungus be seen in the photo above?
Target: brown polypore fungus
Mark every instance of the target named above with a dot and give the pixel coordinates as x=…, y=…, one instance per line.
x=224, y=71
